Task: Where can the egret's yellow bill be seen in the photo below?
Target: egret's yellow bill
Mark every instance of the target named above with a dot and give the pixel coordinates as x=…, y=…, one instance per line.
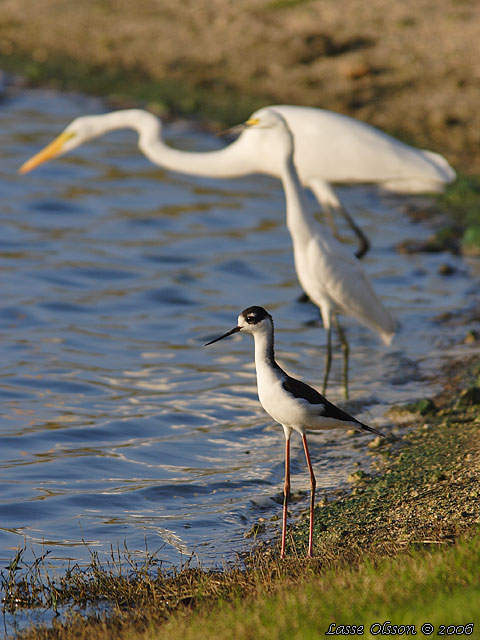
x=48, y=152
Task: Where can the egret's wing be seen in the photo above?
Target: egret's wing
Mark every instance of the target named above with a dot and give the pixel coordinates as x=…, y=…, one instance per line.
x=340, y=149
x=342, y=277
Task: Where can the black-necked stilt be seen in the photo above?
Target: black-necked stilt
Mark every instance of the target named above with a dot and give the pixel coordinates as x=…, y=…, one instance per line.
x=330, y=148
x=331, y=277
x=292, y=403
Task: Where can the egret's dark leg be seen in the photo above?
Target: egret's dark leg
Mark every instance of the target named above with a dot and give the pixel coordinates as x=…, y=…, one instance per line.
x=330, y=203
x=364, y=242
x=286, y=494
x=346, y=352
x=328, y=360
x=313, y=484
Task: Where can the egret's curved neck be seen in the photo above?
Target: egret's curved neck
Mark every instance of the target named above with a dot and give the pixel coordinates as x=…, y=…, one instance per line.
x=230, y=161
x=300, y=220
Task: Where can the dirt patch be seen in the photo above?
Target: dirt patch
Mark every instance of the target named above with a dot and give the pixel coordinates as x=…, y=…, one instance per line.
x=411, y=68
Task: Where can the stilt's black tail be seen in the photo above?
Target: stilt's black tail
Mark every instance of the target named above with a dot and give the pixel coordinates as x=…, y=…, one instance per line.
x=365, y=427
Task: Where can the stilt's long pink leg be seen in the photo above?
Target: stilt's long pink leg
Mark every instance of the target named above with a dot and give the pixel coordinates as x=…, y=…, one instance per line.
x=286, y=493
x=313, y=484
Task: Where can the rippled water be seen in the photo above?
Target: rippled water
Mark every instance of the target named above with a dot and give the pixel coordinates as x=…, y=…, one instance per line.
x=117, y=425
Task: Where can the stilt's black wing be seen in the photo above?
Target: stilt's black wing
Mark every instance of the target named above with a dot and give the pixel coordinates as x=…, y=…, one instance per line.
x=299, y=389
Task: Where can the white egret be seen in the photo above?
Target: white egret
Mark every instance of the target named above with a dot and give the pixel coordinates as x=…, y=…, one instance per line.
x=330, y=148
x=331, y=277
x=292, y=403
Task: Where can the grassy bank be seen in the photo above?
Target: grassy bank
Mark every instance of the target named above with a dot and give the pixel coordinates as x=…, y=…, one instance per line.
x=438, y=587
x=404, y=591
x=165, y=97
x=402, y=546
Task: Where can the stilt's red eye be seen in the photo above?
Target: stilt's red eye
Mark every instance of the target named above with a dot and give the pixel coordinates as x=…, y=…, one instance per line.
x=251, y=318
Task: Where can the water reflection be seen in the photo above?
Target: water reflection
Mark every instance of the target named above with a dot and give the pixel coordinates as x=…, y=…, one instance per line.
x=116, y=424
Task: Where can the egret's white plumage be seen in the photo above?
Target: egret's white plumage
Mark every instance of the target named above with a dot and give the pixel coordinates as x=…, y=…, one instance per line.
x=329, y=148
x=290, y=402
x=331, y=277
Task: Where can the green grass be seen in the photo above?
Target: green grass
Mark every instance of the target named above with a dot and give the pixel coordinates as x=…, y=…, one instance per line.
x=462, y=200
x=461, y=203
x=285, y=4
x=214, y=102
x=441, y=587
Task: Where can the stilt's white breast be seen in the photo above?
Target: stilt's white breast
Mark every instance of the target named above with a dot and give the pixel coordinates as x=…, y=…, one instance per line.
x=280, y=404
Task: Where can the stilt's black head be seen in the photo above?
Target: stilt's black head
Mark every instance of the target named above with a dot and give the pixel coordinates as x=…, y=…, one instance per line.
x=249, y=321
x=254, y=315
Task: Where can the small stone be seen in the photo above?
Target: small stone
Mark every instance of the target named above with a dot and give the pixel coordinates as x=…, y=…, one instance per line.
x=469, y=397
x=357, y=491
x=423, y=406
x=355, y=70
x=375, y=443
x=358, y=476
x=446, y=269
x=472, y=337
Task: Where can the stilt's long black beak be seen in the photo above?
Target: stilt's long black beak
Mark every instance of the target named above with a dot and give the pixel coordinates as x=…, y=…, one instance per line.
x=225, y=335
